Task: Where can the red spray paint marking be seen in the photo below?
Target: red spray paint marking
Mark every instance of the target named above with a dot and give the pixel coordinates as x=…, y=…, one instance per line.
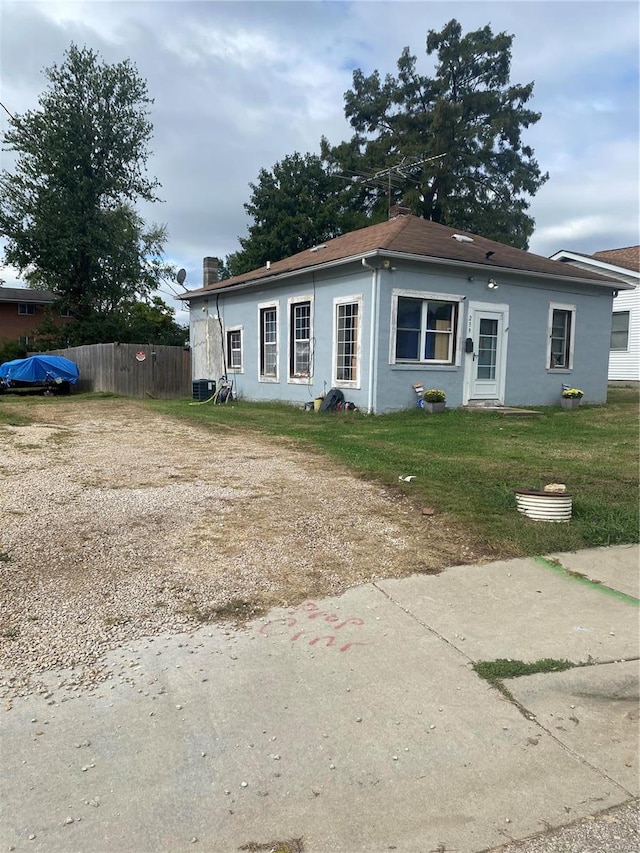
x=311, y=610
x=330, y=638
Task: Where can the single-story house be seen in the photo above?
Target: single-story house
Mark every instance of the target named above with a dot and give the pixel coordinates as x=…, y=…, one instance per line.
x=402, y=303
x=22, y=309
x=623, y=265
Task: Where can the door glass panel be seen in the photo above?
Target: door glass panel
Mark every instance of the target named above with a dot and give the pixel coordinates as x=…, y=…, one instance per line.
x=487, y=348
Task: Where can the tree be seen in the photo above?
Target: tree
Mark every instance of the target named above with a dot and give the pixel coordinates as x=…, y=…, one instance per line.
x=295, y=206
x=450, y=146
x=153, y=322
x=67, y=210
x=146, y=321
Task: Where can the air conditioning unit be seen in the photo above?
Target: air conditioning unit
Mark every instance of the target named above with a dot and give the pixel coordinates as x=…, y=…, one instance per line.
x=203, y=389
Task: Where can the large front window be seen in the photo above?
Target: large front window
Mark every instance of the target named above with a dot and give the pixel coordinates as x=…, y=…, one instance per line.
x=269, y=342
x=300, y=338
x=425, y=330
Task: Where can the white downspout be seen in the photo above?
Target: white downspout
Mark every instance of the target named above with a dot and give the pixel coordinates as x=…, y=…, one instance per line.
x=373, y=338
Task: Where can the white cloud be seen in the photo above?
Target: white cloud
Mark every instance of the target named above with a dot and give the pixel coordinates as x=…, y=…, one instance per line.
x=239, y=85
x=574, y=230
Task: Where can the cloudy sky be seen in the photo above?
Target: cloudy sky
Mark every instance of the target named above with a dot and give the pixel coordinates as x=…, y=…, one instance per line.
x=240, y=85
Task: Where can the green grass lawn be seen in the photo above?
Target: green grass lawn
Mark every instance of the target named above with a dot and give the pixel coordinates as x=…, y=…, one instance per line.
x=468, y=464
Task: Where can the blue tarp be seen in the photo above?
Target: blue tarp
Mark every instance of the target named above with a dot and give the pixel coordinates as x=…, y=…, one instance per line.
x=40, y=369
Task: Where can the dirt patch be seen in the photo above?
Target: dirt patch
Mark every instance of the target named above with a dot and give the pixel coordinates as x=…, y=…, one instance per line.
x=119, y=523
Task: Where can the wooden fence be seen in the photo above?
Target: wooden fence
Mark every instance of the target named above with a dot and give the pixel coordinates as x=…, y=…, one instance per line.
x=133, y=370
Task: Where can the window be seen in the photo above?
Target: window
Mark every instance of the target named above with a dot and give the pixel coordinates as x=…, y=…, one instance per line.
x=561, y=334
x=347, y=342
x=26, y=308
x=300, y=339
x=269, y=342
x=27, y=341
x=426, y=328
x=620, y=330
x=234, y=349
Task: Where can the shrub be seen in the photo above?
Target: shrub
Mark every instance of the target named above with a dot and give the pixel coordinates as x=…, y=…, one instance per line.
x=434, y=395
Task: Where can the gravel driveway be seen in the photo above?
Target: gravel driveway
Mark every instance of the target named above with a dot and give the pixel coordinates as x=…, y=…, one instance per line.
x=119, y=523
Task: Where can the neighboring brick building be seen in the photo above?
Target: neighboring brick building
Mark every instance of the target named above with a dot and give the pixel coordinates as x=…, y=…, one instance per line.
x=21, y=312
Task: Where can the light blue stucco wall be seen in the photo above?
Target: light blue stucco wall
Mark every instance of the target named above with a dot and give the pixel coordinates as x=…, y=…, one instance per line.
x=241, y=309
x=528, y=381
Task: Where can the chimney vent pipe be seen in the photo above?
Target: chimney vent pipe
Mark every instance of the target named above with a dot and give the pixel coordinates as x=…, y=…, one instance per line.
x=209, y=271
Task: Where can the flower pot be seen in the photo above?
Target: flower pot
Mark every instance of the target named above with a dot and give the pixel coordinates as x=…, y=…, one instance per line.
x=570, y=402
x=432, y=408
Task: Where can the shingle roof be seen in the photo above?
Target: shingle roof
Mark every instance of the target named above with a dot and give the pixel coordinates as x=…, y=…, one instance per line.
x=627, y=258
x=26, y=294
x=412, y=236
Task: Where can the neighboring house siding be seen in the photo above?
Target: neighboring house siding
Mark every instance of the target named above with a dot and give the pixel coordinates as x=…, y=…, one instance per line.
x=625, y=364
x=14, y=325
x=620, y=264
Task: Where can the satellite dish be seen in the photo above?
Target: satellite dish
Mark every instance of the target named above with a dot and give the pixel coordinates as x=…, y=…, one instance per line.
x=182, y=274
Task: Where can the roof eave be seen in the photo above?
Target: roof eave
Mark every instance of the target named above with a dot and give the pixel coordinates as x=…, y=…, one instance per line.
x=489, y=269
x=596, y=262
x=373, y=253
x=202, y=292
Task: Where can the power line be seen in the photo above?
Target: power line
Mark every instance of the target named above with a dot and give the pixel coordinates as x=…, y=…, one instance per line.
x=12, y=117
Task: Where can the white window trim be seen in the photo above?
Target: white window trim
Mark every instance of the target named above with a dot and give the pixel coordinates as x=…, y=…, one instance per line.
x=226, y=341
x=560, y=306
x=425, y=296
x=261, y=306
x=358, y=300
x=296, y=300
x=622, y=349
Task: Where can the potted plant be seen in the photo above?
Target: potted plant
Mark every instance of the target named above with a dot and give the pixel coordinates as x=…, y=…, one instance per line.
x=571, y=398
x=434, y=400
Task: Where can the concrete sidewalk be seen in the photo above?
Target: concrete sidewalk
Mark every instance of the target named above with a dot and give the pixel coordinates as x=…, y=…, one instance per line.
x=355, y=723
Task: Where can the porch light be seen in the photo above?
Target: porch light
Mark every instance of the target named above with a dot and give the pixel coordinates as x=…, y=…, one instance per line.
x=492, y=284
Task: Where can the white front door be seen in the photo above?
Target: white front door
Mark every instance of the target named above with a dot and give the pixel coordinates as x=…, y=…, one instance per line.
x=486, y=352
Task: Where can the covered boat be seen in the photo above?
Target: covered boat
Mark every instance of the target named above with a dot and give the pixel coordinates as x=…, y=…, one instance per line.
x=47, y=372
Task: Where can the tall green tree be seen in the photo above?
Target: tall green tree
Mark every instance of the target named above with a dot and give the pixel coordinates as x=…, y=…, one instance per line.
x=143, y=321
x=296, y=205
x=67, y=209
x=452, y=141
